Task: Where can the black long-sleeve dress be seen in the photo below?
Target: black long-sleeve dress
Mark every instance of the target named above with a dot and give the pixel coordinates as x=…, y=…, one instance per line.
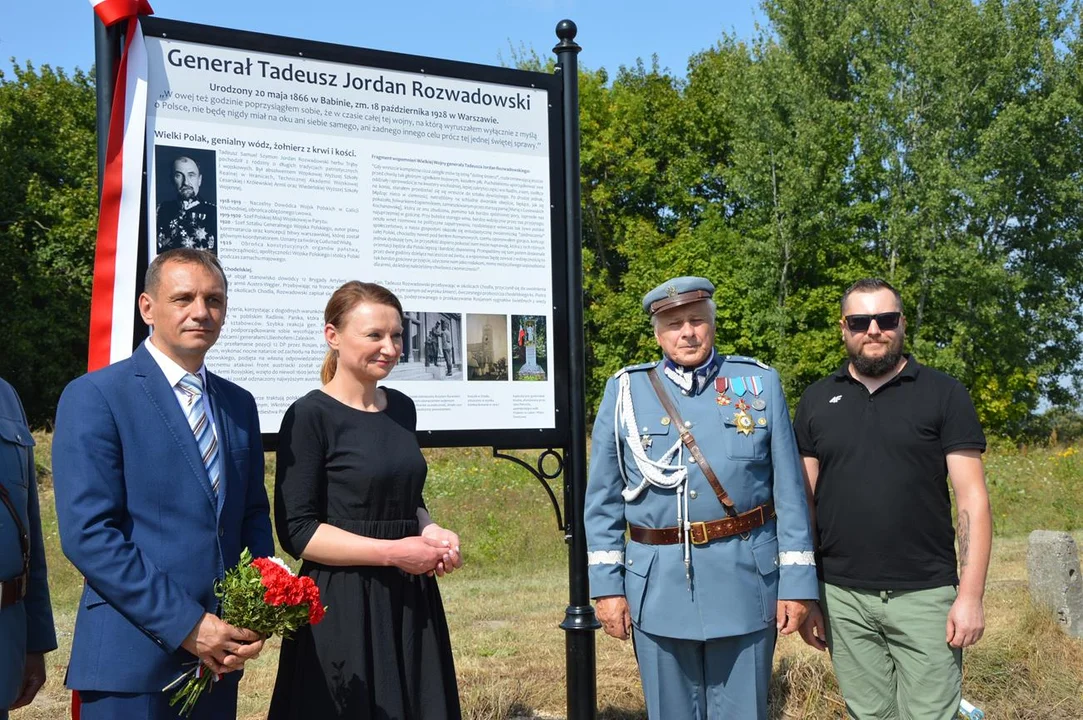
x=383, y=650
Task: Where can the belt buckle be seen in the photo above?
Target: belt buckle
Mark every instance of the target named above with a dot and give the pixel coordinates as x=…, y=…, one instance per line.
x=702, y=527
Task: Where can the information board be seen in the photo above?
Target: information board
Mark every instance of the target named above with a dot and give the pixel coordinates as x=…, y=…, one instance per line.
x=303, y=165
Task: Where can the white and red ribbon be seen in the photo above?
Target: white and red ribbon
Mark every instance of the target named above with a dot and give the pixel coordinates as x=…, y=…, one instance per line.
x=118, y=214
x=116, y=252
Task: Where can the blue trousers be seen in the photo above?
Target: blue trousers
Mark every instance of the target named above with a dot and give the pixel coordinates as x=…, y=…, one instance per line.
x=219, y=704
x=719, y=679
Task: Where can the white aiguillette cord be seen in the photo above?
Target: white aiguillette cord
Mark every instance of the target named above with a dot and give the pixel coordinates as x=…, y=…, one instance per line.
x=654, y=472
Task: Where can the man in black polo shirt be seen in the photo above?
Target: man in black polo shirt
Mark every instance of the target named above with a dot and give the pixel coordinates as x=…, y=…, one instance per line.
x=878, y=440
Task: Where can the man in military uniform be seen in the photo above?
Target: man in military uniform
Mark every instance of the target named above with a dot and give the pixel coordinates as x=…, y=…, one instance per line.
x=188, y=221
x=26, y=617
x=719, y=555
x=446, y=348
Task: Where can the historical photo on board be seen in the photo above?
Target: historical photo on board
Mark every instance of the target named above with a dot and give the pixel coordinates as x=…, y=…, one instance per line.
x=528, y=339
x=186, y=215
x=432, y=347
x=486, y=347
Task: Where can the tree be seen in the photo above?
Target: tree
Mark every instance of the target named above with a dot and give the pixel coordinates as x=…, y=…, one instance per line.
x=937, y=145
x=48, y=216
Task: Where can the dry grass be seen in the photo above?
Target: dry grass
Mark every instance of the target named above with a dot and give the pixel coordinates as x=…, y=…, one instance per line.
x=504, y=609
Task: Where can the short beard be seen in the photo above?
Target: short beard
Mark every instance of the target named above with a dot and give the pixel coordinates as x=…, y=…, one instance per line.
x=878, y=367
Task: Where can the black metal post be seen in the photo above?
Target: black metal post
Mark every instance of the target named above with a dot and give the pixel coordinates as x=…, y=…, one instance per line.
x=579, y=621
x=106, y=59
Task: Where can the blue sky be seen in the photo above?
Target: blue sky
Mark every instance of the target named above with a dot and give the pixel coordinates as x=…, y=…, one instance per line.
x=611, y=32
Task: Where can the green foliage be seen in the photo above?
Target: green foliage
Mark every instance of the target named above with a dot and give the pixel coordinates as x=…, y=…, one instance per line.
x=48, y=215
x=937, y=145
x=1038, y=488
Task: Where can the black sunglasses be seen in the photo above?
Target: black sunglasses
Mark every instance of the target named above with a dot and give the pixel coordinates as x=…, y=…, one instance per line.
x=884, y=321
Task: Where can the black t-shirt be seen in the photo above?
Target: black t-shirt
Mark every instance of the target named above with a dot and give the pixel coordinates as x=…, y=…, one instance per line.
x=882, y=507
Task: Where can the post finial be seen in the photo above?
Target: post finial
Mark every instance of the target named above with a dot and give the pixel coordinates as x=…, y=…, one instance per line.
x=566, y=30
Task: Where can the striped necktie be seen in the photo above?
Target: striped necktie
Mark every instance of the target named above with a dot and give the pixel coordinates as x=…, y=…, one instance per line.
x=192, y=386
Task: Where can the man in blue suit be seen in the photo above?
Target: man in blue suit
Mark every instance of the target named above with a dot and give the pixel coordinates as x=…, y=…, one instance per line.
x=26, y=618
x=695, y=456
x=158, y=468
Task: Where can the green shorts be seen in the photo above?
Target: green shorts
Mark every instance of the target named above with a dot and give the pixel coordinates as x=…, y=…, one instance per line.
x=890, y=654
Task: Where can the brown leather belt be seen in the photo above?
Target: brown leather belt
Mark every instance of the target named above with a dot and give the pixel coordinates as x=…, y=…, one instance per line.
x=704, y=532
x=12, y=591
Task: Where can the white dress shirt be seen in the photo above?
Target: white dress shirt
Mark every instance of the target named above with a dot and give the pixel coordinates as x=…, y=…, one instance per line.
x=173, y=374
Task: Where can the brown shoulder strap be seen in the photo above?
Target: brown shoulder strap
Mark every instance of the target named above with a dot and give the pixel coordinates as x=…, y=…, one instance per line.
x=690, y=442
x=24, y=537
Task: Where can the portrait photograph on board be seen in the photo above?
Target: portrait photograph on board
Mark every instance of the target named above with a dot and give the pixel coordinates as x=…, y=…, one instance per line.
x=529, y=361
x=432, y=347
x=486, y=347
x=186, y=214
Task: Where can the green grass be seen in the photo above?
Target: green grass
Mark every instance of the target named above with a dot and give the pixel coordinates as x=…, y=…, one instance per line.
x=1037, y=488
x=505, y=605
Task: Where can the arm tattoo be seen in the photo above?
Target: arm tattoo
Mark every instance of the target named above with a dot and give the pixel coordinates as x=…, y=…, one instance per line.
x=964, y=539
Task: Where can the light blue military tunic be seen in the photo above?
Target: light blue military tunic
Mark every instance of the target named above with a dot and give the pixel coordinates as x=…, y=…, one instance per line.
x=728, y=587
x=26, y=626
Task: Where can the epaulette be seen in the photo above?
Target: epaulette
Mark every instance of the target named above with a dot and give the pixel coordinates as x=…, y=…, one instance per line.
x=633, y=368
x=745, y=359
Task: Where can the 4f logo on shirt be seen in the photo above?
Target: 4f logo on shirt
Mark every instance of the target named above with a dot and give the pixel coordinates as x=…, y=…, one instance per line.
x=835, y=399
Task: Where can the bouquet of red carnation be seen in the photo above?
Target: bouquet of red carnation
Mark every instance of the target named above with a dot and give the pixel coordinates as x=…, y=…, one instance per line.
x=262, y=595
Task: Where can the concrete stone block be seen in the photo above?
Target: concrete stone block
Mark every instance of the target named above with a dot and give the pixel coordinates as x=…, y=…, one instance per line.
x=1054, y=578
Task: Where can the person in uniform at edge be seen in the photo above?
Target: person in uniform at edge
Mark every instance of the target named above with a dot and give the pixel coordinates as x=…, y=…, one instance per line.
x=158, y=470
x=188, y=221
x=879, y=438
x=445, y=345
x=719, y=555
x=26, y=617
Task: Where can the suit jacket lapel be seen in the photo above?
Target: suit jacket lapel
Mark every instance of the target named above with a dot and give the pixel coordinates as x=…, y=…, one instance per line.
x=220, y=411
x=164, y=400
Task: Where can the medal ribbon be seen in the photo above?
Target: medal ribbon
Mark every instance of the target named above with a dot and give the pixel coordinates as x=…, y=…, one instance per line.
x=116, y=251
x=755, y=385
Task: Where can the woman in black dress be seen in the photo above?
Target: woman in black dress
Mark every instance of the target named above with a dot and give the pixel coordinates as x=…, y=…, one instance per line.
x=348, y=502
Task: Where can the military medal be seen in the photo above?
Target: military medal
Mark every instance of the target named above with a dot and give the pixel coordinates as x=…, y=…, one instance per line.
x=762, y=422
x=665, y=419
x=646, y=440
x=742, y=405
x=721, y=385
x=755, y=386
x=738, y=385
x=743, y=421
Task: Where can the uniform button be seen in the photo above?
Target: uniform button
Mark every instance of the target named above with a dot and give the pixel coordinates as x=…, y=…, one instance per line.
x=688, y=423
x=684, y=392
x=646, y=429
x=630, y=563
x=693, y=494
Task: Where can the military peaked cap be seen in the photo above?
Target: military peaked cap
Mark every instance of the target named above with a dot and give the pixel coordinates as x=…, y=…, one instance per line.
x=676, y=292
